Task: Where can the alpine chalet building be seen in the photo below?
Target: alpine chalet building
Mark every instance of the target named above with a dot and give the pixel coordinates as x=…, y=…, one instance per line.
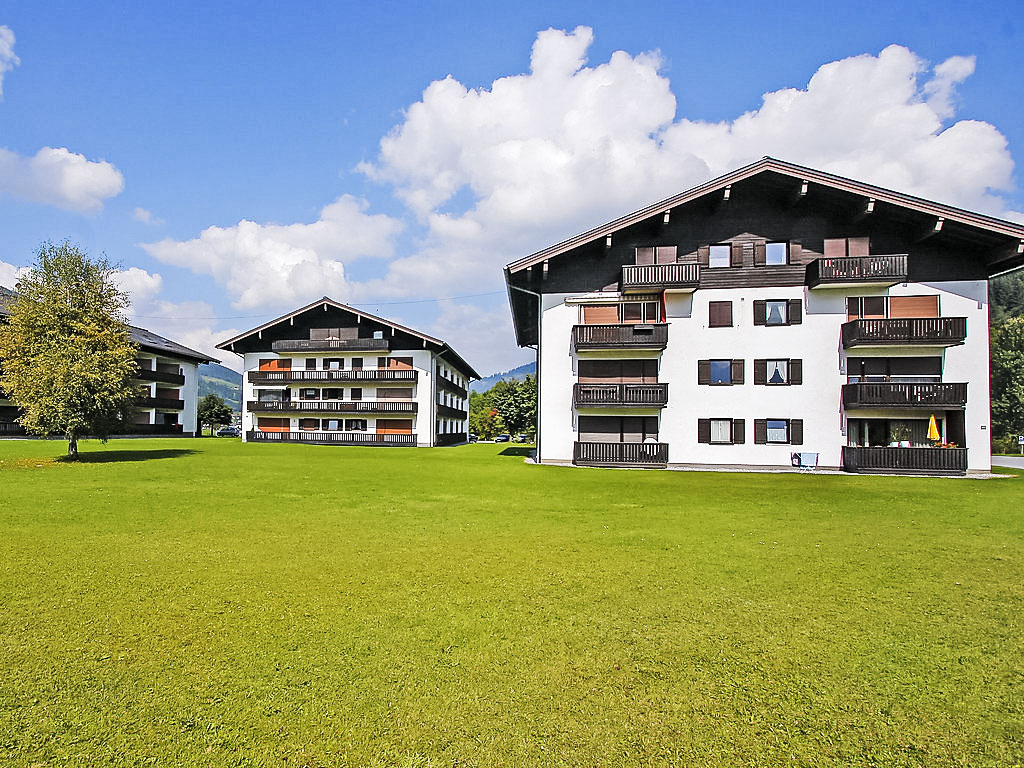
x=777, y=315
x=330, y=374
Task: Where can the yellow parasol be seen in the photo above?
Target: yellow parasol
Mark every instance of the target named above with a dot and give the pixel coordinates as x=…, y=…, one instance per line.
x=933, y=428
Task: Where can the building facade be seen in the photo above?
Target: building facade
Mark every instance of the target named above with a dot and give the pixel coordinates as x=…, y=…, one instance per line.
x=331, y=375
x=773, y=316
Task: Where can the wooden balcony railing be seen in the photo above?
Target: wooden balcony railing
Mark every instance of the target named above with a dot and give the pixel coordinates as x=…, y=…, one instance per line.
x=653, y=277
x=923, y=461
x=452, y=413
x=896, y=395
x=331, y=438
x=923, y=331
x=452, y=438
x=617, y=454
x=154, y=429
x=11, y=428
x=328, y=345
x=365, y=374
x=857, y=270
x=620, y=395
x=164, y=377
x=620, y=336
x=167, y=403
x=450, y=386
x=332, y=406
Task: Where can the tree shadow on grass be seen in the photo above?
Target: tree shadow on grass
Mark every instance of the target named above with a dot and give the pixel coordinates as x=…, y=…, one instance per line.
x=521, y=452
x=117, y=457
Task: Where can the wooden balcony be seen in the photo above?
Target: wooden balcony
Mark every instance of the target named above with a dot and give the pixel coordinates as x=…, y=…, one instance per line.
x=452, y=438
x=857, y=271
x=331, y=345
x=619, y=395
x=153, y=429
x=619, y=336
x=11, y=429
x=166, y=403
x=660, y=277
x=620, y=454
x=937, y=395
x=365, y=374
x=331, y=406
x=906, y=331
x=452, y=413
x=331, y=438
x=163, y=377
x=905, y=461
x=450, y=386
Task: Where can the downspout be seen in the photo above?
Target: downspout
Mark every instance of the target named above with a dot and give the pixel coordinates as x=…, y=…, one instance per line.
x=537, y=362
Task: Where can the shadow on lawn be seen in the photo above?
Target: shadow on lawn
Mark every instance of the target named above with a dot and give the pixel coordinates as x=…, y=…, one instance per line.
x=520, y=452
x=116, y=457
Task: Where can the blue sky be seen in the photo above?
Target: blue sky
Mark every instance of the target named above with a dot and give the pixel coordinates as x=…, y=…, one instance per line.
x=230, y=159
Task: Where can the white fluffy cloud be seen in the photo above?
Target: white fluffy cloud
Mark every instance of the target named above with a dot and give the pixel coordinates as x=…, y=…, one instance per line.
x=139, y=284
x=544, y=155
x=484, y=337
x=146, y=217
x=8, y=59
x=275, y=265
x=59, y=177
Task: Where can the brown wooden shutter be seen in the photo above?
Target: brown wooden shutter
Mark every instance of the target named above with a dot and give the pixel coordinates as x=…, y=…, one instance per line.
x=760, y=372
x=644, y=255
x=703, y=430
x=796, y=315
x=736, y=374
x=665, y=254
x=913, y=306
x=835, y=248
x=739, y=431
x=704, y=372
x=736, y=255
x=704, y=255
x=600, y=314
x=760, y=431
x=796, y=255
x=858, y=246
x=719, y=314
x=759, y=253
x=796, y=371
x=382, y=362
x=796, y=431
x=760, y=312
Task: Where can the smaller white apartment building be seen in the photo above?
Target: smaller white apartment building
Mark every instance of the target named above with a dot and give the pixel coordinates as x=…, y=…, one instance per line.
x=776, y=315
x=329, y=374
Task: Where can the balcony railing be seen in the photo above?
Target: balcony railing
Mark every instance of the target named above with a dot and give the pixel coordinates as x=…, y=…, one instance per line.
x=365, y=374
x=452, y=438
x=154, y=429
x=620, y=395
x=923, y=331
x=909, y=461
x=328, y=345
x=857, y=270
x=654, y=277
x=450, y=386
x=11, y=428
x=618, y=454
x=164, y=377
x=620, y=336
x=160, y=402
x=896, y=395
x=331, y=438
x=332, y=406
x=451, y=413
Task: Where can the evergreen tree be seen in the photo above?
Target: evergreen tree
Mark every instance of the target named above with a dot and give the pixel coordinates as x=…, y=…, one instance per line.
x=1008, y=378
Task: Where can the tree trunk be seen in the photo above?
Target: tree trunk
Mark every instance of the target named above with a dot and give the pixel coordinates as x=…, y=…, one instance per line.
x=73, y=448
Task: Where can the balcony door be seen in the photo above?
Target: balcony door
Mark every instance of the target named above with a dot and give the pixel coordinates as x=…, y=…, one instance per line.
x=618, y=371
x=394, y=426
x=618, y=429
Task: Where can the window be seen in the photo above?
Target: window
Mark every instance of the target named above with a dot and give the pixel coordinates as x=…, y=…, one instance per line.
x=897, y=369
x=309, y=394
x=357, y=393
x=325, y=334
x=310, y=363
x=355, y=425
x=640, y=312
x=394, y=393
x=618, y=429
x=309, y=425
x=357, y=363
x=778, y=312
x=779, y=431
x=720, y=431
x=878, y=307
x=661, y=254
x=719, y=314
x=720, y=372
x=331, y=425
x=720, y=256
x=775, y=253
x=270, y=395
x=780, y=371
x=332, y=364
x=332, y=394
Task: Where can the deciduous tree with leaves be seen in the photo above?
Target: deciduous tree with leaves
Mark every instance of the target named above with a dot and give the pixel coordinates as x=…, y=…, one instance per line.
x=67, y=355
x=212, y=411
x=1008, y=378
x=516, y=403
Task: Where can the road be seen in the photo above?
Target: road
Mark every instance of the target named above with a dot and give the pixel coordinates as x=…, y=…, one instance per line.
x=1017, y=462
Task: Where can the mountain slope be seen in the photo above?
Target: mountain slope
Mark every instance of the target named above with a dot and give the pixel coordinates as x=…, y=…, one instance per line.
x=218, y=380
x=515, y=374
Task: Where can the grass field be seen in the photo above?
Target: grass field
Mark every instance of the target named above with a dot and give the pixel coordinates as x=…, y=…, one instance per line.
x=200, y=602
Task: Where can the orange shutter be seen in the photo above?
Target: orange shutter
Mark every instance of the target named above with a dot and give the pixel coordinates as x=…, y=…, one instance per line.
x=272, y=425
x=600, y=314
x=913, y=306
x=277, y=364
x=394, y=426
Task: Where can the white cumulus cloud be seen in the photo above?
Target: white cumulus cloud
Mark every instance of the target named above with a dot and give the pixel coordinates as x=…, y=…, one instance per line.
x=139, y=284
x=59, y=177
x=279, y=265
x=8, y=59
x=146, y=217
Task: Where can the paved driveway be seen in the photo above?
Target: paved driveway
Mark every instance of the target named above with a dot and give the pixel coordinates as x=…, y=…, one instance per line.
x=1017, y=462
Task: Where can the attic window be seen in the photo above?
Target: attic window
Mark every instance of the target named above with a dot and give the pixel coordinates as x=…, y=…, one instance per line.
x=719, y=256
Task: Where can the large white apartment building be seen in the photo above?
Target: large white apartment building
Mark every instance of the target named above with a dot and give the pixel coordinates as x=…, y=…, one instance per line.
x=768, y=316
x=330, y=374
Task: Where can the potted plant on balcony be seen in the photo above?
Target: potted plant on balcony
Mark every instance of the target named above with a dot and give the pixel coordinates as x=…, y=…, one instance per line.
x=899, y=435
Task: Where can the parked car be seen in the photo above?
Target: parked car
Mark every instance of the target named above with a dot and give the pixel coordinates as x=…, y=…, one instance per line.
x=229, y=432
x=503, y=439
x=522, y=437
x=473, y=438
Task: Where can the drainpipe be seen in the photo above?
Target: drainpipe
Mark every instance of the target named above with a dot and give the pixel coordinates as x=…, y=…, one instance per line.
x=537, y=350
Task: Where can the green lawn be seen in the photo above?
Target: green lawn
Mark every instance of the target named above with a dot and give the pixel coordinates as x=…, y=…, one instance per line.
x=200, y=602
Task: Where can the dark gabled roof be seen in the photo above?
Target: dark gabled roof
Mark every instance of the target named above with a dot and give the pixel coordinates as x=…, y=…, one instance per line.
x=441, y=347
x=797, y=172
x=146, y=339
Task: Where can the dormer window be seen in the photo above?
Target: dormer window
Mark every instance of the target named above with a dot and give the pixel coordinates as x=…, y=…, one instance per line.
x=775, y=254
x=719, y=255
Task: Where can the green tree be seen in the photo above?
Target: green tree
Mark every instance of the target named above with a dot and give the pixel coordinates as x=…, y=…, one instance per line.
x=1006, y=295
x=212, y=411
x=516, y=403
x=68, y=358
x=1008, y=378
